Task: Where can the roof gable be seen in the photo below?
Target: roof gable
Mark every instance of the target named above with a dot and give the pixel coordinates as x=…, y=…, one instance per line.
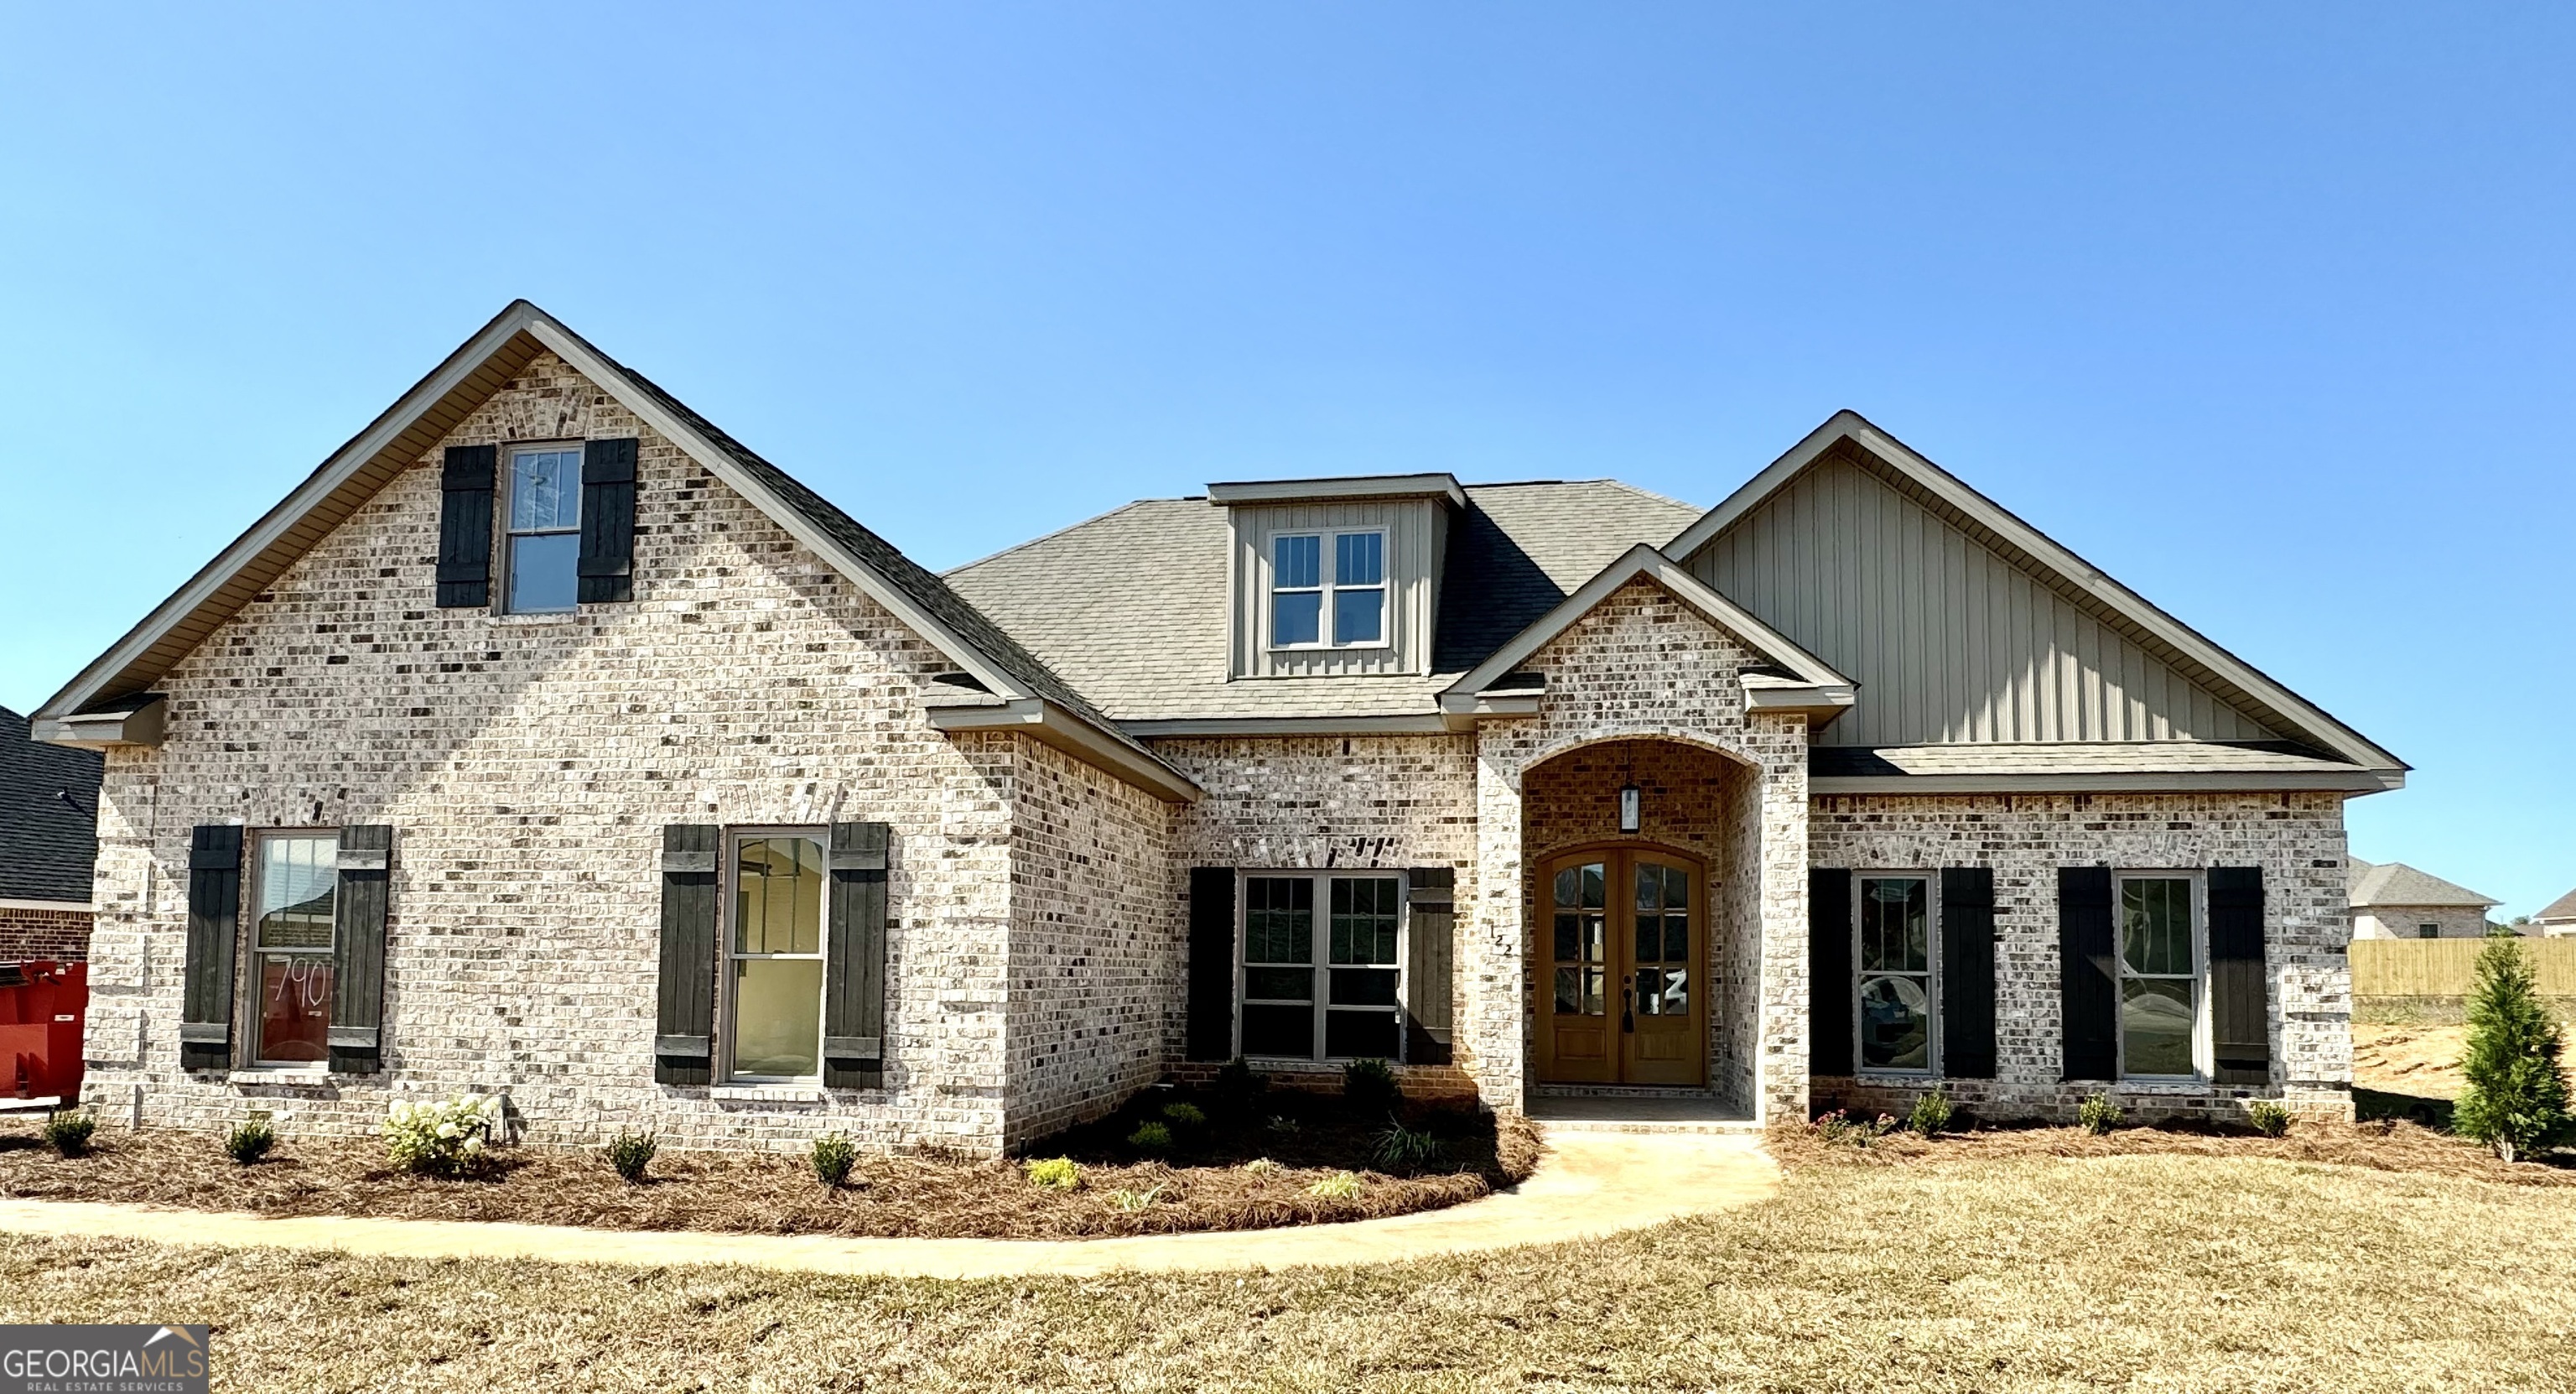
x=1965, y=624
x=2563, y=908
x=2397, y=884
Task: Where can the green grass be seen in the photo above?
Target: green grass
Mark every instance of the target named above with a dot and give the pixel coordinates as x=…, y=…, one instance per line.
x=2149, y=1272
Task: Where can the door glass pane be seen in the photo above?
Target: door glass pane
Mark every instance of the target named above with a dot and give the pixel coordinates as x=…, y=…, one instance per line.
x=2155, y=925
x=1895, y=1018
x=1676, y=992
x=1676, y=937
x=299, y=882
x=1569, y=937
x=778, y=896
x=2156, y=1020
x=294, y=1008
x=778, y=1016
x=1569, y=990
x=1650, y=991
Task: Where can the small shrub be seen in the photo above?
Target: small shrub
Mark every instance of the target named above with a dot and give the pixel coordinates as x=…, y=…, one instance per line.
x=1152, y=1139
x=1338, y=1186
x=630, y=1152
x=69, y=1131
x=1129, y=1202
x=1184, y=1116
x=1281, y=1124
x=1369, y=1086
x=1237, y=1089
x=1841, y=1128
x=1260, y=1166
x=833, y=1154
x=2098, y=1115
x=1053, y=1174
x=248, y=1142
x=2516, y=1101
x=1931, y=1114
x=442, y=1139
x=1402, y=1151
x=2270, y=1118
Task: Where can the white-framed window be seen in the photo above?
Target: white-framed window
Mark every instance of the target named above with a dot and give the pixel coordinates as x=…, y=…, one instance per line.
x=1896, y=1011
x=1321, y=972
x=2163, y=956
x=294, y=928
x=542, y=549
x=773, y=946
x=1328, y=589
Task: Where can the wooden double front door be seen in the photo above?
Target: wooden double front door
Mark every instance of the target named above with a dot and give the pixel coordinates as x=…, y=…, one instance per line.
x=1622, y=990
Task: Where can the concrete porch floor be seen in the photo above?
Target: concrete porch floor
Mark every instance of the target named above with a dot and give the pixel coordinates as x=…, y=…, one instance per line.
x=1637, y=1113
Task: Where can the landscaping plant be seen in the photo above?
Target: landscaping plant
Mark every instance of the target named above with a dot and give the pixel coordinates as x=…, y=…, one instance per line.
x=2098, y=1115
x=2516, y=1100
x=442, y=1139
x=1152, y=1139
x=69, y=1131
x=1237, y=1089
x=1053, y=1174
x=1129, y=1202
x=2270, y=1118
x=1840, y=1128
x=1402, y=1151
x=1931, y=1114
x=1368, y=1086
x=1184, y=1115
x=250, y=1141
x=1260, y=1166
x=833, y=1154
x=630, y=1152
x=1339, y=1186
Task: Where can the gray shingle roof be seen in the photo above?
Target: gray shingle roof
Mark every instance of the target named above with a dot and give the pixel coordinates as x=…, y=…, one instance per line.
x=2563, y=908
x=1130, y=606
x=2396, y=883
x=47, y=847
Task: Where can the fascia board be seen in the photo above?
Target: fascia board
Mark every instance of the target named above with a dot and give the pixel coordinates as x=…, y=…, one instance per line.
x=1373, y=486
x=1045, y=721
x=2356, y=781
x=1415, y=724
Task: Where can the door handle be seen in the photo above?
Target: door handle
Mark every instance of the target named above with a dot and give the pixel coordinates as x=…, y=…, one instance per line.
x=1627, y=1021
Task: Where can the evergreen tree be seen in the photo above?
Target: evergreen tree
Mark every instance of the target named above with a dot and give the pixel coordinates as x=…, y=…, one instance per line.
x=2517, y=1096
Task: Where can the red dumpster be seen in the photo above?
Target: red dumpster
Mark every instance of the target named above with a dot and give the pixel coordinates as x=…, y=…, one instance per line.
x=42, y=1003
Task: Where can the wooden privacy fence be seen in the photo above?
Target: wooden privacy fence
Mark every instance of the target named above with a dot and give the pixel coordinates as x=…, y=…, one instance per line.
x=2447, y=967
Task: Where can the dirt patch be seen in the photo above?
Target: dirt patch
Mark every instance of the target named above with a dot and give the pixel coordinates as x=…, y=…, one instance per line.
x=2386, y=1145
x=2420, y=1061
x=1202, y=1186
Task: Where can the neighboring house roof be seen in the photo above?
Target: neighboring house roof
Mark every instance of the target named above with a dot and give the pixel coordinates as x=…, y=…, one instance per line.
x=47, y=846
x=469, y=376
x=2559, y=910
x=1130, y=606
x=2399, y=886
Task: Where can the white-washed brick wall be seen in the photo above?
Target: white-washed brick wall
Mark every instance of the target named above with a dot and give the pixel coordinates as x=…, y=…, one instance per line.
x=2297, y=839
x=2407, y=922
x=528, y=765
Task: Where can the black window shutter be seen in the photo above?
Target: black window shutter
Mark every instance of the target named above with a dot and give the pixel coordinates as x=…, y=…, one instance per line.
x=684, y=1025
x=854, y=958
x=1431, y=897
x=358, y=953
x=2240, y=1011
x=214, y=912
x=2088, y=984
x=607, y=563
x=1829, y=972
x=465, y=526
x=1211, y=996
x=1968, y=972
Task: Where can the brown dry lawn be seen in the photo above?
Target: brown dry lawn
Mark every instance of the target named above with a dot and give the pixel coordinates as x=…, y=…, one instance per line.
x=2011, y=1270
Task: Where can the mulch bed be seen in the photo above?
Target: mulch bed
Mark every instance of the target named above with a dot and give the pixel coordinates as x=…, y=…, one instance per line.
x=1202, y=1186
x=2383, y=1145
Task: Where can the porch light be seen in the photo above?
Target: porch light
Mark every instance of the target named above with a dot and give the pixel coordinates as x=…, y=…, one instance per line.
x=1630, y=805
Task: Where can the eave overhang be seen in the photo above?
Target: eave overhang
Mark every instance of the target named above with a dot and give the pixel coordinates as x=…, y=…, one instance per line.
x=135, y=722
x=1050, y=723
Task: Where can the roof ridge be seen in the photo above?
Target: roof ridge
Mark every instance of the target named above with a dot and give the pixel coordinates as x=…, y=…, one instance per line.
x=1023, y=546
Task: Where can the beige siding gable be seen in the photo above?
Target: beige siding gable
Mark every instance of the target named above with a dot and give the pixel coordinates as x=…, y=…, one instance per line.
x=1950, y=638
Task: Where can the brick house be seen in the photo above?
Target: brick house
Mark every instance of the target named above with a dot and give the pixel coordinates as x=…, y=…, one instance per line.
x=48, y=839
x=548, y=740
x=2391, y=900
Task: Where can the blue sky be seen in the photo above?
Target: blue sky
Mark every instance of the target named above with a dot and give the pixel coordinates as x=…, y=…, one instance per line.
x=2263, y=310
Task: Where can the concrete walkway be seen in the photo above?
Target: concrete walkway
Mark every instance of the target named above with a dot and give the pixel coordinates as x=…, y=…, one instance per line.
x=1586, y=1185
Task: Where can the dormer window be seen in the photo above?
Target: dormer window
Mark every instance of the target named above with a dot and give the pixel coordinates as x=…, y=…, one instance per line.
x=1346, y=600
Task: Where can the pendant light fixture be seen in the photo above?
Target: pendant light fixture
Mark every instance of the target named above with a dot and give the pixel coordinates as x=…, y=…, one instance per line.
x=1631, y=800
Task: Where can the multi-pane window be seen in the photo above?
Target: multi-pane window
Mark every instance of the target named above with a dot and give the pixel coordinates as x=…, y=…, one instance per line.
x=293, y=932
x=775, y=952
x=2159, y=976
x=1328, y=583
x=1662, y=963
x=1336, y=994
x=1581, y=953
x=544, y=542
x=1892, y=964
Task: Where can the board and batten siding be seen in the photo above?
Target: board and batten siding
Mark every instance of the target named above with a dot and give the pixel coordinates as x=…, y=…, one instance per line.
x=1415, y=530
x=1948, y=639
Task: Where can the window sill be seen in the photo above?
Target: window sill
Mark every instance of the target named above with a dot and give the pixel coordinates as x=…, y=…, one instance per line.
x=281, y=1076
x=539, y=619
x=767, y=1093
x=2166, y=1085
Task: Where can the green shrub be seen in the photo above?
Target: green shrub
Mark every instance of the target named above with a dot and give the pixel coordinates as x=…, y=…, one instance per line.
x=1184, y=1116
x=1152, y=1139
x=1053, y=1174
x=1402, y=1151
x=248, y=1142
x=1260, y=1166
x=833, y=1154
x=1338, y=1186
x=1237, y=1089
x=69, y=1131
x=442, y=1139
x=1841, y=1128
x=2270, y=1118
x=630, y=1152
x=1129, y=1202
x=1931, y=1114
x=2098, y=1115
x=1369, y=1086
x=2516, y=1101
